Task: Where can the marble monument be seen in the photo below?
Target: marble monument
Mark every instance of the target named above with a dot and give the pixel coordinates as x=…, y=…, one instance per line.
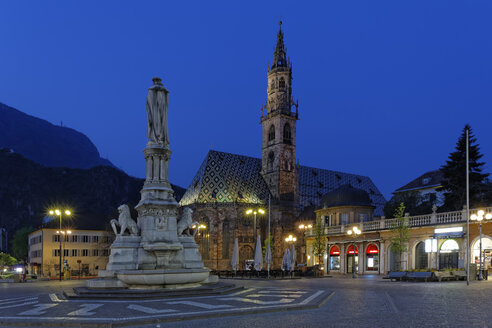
x=159, y=250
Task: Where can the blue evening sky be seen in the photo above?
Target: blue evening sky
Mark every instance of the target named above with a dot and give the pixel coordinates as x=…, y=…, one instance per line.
x=384, y=87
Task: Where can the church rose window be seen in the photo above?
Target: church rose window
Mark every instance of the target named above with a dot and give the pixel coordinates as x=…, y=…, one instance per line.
x=271, y=133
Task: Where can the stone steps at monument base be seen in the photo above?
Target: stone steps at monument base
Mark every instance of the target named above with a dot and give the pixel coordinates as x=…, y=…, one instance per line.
x=131, y=294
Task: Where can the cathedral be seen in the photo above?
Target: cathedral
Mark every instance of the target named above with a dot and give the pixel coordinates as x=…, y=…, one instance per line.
x=227, y=185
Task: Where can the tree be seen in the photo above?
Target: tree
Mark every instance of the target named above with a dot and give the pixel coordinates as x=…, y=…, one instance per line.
x=319, y=245
x=415, y=203
x=6, y=260
x=454, y=176
x=20, y=244
x=401, y=232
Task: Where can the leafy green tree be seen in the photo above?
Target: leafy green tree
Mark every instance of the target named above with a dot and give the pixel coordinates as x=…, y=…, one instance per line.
x=454, y=176
x=319, y=245
x=415, y=203
x=6, y=260
x=266, y=242
x=20, y=243
x=401, y=233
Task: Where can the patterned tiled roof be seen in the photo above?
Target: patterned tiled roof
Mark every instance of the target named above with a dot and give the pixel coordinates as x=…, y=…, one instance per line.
x=431, y=179
x=225, y=177
x=314, y=183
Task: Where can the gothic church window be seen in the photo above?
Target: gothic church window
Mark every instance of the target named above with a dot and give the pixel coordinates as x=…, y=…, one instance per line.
x=287, y=134
x=225, y=239
x=204, y=239
x=271, y=133
x=281, y=83
x=271, y=158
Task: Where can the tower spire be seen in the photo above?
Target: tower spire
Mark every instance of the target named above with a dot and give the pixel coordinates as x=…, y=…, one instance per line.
x=279, y=57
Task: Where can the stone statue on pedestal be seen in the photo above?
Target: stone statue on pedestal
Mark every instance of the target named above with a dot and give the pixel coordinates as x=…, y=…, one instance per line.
x=157, y=107
x=125, y=222
x=160, y=251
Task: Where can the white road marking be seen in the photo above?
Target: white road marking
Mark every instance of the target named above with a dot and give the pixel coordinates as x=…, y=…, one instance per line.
x=38, y=309
x=310, y=298
x=243, y=291
x=247, y=300
x=85, y=310
x=16, y=305
x=54, y=298
x=148, y=310
x=274, y=295
x=280, y=291
x=201, y=305
x=25, y=299
x=14, y=299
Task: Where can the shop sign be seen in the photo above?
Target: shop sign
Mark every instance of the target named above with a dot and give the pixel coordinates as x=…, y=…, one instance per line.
x=372, y=249
x=334, y=251
x=351, y=250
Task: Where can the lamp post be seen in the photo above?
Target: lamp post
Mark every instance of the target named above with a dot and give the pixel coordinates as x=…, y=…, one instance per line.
x=60, y=213
x=354, y=232
x=479, y=218
x=303, y=228
x=254, y=212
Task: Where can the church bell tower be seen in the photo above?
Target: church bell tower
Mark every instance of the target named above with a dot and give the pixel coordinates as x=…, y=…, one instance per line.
x=279, y=127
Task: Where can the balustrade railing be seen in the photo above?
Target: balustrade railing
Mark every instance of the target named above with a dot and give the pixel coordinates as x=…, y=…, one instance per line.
x=412, y=221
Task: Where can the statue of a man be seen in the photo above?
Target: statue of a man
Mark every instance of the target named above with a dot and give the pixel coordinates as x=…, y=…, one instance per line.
x=157, y=106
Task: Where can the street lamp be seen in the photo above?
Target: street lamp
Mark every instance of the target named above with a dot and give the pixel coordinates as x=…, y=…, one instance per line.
x=290, y=239
x=354, y=232
x=254, y=212
x=60, y=213
x=479, y=218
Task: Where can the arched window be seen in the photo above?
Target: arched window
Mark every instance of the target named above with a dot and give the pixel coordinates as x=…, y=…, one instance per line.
x=281, y=83
x=271, y=159
x=448, y=254
x=421, y=258
x=271, y=133
x=225, y=239
x=287, y=134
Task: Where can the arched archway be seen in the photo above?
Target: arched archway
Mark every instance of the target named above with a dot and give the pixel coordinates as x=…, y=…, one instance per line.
x=486, y=249
x=448, y=254
x=334, y=261
x=421, y=258
x=352, y=259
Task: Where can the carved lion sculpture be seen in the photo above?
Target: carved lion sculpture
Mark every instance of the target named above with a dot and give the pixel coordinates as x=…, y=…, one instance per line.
x=125, y=222
x=186, y=223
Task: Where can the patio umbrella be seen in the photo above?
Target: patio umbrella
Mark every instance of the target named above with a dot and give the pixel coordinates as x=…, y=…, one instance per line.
x=258, y=255
x=285, y=261
x=235, y=256
x=292, y=258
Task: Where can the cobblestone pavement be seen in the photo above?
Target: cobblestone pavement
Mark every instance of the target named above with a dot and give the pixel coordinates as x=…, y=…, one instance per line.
x=38, y=304
x=367, y=301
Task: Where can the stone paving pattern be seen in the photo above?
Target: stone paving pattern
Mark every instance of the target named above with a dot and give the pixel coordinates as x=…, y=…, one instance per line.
x=363, y=302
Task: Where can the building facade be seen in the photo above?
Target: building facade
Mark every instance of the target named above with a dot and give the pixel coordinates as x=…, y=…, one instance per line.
x=436, y=241
x=90, y=247
x=227, y=185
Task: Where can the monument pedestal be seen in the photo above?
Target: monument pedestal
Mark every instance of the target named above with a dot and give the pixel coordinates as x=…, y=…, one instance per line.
x=155, y=255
